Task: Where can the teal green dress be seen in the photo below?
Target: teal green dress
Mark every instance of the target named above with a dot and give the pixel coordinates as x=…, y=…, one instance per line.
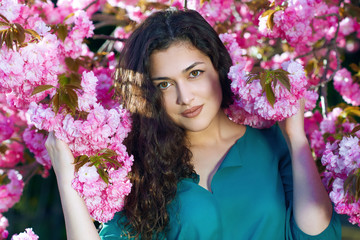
x=251, y=198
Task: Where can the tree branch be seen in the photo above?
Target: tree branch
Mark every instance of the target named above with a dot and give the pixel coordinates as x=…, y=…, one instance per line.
x=102, y=36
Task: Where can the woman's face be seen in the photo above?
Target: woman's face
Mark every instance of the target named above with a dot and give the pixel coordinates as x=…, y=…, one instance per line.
x=189, y=83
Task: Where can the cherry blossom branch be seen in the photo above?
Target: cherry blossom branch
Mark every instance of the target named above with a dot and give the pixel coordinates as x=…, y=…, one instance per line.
x=331, y=46
x=28, y=170
x=102, y=36
x=107, y=20
x=88, y=6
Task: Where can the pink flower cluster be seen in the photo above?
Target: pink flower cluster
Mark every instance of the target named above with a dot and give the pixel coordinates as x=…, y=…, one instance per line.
x=344, y=84
x=104, y=91
x=33, y=65
x=253, y=101
x=102, y=200
x=102, y=128
x=35, y=142
x=250, y=104
x=6, y=128
x=341, y=158
x=27, y=235
x=11, y=192
x=13, y=155
x=339, y=152
x=317, y=128
x=216, y=10
x=295, y=23
x=3, y=225
x=83, y=28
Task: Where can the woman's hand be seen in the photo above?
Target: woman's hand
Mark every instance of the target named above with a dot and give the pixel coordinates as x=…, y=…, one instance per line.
x=61, y=157
x=79, y=224
x=293, y=127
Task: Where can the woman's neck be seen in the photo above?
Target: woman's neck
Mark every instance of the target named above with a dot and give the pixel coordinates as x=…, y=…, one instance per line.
x=219, y=130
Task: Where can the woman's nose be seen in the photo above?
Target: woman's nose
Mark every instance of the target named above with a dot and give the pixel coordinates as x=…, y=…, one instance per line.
x=184, y=93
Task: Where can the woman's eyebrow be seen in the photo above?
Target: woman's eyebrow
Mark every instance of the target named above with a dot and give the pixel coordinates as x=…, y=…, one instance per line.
x=191, y=66
x=183, y=71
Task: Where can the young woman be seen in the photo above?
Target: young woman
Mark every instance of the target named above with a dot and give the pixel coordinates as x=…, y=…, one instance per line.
x=197, y=174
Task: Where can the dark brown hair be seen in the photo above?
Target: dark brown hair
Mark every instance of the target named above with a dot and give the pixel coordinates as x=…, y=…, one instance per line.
x=159, y=146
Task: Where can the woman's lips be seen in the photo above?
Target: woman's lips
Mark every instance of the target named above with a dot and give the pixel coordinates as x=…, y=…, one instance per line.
x=192, y=112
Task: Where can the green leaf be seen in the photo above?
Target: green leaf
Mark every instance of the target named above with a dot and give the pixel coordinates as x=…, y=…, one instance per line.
x=267, y=12
x=281, y=71
x=33, y=33
x=56, y=103
x=355, y=129
x=107, y=151
x=79, y=165
x=41, y=88
x=75, y=78
x=4, y=24
x=354, y=67
x=355, y=111
x=71, y=99
x=73, y=86
x=63, y=80
x=270, y=21
x=270, y=94
x=3, y=148
x=284, y=79
x=62, y=32
x=104, y=176
x=65, y=99
x=8, y=39
x=357, y=189
x=4, y=180
x=2, y=36
x=81, y=158
x=5, y=19
x=251, y=78
x=113, y=162
x=20, y=33
x=69, y=16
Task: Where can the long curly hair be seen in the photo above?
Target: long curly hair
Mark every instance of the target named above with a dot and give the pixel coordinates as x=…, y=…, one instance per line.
x=159, y=146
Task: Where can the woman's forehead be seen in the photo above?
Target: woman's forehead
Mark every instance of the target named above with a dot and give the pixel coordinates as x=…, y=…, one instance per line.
x=176, y=58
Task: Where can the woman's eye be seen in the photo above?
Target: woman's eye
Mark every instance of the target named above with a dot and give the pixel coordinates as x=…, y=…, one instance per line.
x=163, y=85
x=195, y=73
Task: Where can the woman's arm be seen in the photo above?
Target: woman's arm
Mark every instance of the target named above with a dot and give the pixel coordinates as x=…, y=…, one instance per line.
x=78, y=222
x=312, y=207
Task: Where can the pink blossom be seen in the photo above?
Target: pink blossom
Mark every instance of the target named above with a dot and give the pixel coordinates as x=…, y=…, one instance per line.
x=11, y=192
x=254, y=102
x=88, y=174
x=347, y=26
x=10, y=9
x=13, y=155
x=311, y=98
x=35, y=142
x=102, y=200
x=6, y=128
x=317, y=142
x=349, y=150
x=83, y=28
x=216, y=11
x=349, y=90
x=327, y=126
x=3, y=225
x=104, y=92
x=120, y=32
x=27, y=235
x=312, y=121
